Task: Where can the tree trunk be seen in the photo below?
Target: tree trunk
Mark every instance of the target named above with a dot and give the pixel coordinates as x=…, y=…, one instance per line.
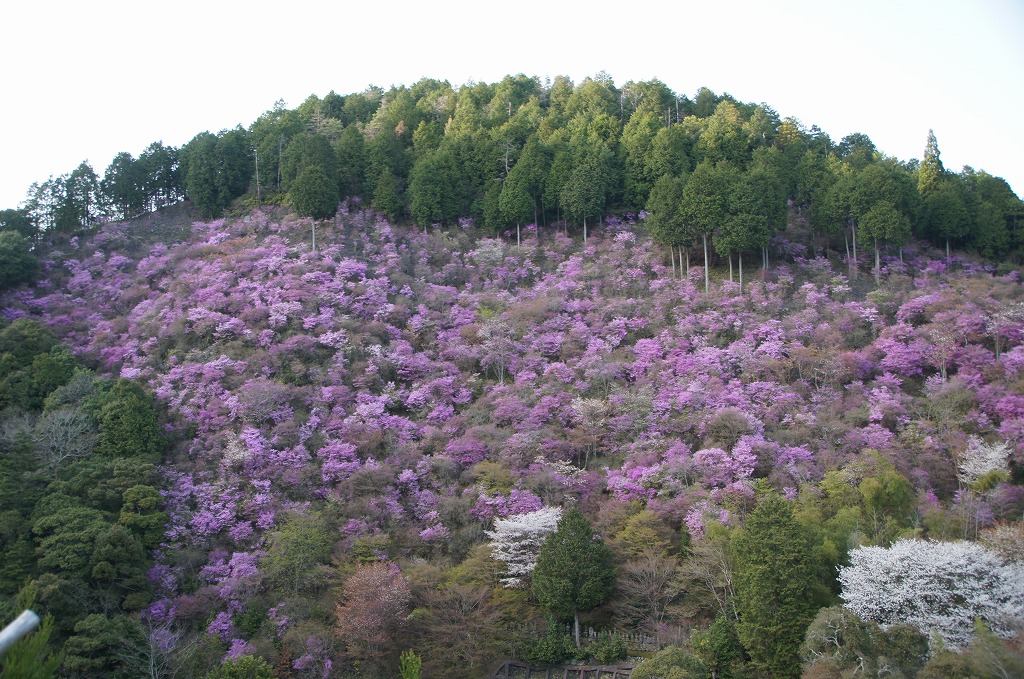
x=854, y=228
x=576, y=627
x=878, y=265
x=584, y=229
x=947, y=251
x=519, y=242
x=730, y=267
x=672, y=256
x=707, y=273
x=740, y=256
x=687, y=262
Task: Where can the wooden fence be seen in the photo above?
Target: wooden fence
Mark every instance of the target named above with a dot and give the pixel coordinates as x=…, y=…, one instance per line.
x=514, y=669
x=638, y=641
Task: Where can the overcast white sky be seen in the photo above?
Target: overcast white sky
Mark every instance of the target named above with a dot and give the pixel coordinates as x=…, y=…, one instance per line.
x=86, y=80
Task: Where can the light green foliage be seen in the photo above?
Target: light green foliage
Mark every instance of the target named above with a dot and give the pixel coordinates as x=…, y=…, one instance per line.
x=296, y=553
x=644, y=533
x=930, y=173
x=608, y=649
x=574, y=570
x=245, y=667
x=866, y=502
x=722, y=137
x=774, y=586
x=32, y=657
x=857, y=150
x=553, y=647
x=839, y=639
x=410, y=665
x=718, y=647
x=670, y=663
x=888, y=501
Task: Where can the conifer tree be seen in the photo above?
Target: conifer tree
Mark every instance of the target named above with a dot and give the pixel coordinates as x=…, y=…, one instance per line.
x=931, y=169
x=774, y=587
x=574, y=571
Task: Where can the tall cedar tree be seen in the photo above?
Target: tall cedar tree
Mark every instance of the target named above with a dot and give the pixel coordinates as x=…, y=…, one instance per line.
x=574, y=571
x=774, y=587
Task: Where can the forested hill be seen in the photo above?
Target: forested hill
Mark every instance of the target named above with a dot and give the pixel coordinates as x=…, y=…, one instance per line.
x=384, y=443
x=521, y=151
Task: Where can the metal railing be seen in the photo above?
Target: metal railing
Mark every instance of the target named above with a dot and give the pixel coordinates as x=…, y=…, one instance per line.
x=23, y=625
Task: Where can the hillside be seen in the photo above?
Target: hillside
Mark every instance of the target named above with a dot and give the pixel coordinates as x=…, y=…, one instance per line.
x=390, y=395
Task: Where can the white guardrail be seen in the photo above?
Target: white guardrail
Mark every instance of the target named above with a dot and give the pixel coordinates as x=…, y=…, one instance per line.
x=24, y=624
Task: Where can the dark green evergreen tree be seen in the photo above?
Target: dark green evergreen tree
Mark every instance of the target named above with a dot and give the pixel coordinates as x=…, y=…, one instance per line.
x=704, y=203
x=774, y=581
x=124, y=187
x=128, y=425
x=308, y=150
x=17, y=262
x=575, y=571
x=931, y=170
x=386, y=197
x=664, y=222
x=18, y=220
x=314, y=194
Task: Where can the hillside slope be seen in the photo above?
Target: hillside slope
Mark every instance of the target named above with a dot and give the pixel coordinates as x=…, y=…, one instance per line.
x=389, y=395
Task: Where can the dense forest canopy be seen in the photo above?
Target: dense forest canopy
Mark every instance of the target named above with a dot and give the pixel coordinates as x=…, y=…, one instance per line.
x=521, y=151
x=408, y=381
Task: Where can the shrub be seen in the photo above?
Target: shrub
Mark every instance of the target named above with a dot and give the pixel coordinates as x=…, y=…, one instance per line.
x=608, y=649
x=554, y=647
